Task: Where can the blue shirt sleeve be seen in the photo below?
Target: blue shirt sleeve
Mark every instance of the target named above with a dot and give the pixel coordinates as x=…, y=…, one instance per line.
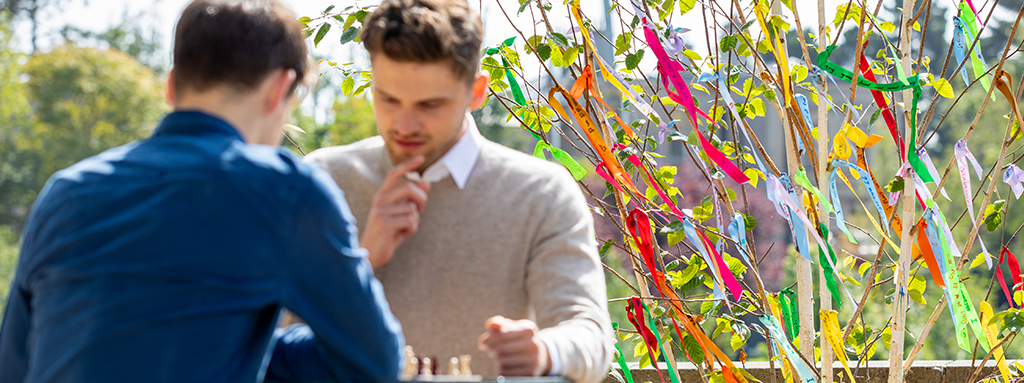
x=329, y=283
x=14, y=336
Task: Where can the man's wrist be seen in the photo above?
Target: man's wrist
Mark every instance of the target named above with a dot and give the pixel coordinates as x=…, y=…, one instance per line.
x=554, y=365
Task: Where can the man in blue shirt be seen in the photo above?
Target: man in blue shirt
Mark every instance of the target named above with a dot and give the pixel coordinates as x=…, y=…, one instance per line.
x=169, y=259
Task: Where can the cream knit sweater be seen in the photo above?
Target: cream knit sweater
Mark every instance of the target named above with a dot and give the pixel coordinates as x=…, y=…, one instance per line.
x=518, y=241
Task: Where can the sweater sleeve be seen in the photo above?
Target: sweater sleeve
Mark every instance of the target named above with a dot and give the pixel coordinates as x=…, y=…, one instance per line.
x=566, y=284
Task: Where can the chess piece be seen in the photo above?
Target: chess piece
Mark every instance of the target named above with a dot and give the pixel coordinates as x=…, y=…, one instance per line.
x=453, y=366
x=426, y=368
x=464, y=361
x=411, y=363
x=435, y=366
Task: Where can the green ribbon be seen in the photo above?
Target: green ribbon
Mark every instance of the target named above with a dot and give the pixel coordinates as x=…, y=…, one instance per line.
x=538, y=151
x=912, y=82
x=622, y=360
x=672, y=373
x=562, y=156
x=801, y=179
x=977, y=65
x=830, y=278
x=960, y=301
x=789, y=313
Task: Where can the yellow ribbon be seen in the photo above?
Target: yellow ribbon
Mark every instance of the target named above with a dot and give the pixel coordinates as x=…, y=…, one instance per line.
x=830, y=327
x=990, y=333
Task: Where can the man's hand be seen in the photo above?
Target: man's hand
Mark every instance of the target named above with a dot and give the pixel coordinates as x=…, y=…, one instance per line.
x=394, y=213
x=515, y=346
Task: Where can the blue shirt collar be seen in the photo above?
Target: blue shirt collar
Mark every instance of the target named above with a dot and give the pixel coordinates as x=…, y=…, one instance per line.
x=195, y=123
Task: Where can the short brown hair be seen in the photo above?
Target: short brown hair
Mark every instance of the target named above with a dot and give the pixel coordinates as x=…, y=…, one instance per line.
x=426, y=31
x=237, y=43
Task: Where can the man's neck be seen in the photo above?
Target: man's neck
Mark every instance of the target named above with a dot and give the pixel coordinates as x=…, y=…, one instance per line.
x=235, y=110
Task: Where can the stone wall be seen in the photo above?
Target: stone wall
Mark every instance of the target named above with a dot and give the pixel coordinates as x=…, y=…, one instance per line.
x=876, y=371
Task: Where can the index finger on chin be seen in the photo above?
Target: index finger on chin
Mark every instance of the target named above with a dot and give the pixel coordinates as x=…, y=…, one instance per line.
x=397, y=174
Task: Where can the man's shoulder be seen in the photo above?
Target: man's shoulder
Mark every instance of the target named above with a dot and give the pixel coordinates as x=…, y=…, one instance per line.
x=362, y=153
x=518, y=167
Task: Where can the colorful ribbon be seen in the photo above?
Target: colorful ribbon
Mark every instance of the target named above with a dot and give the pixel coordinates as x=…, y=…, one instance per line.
x=538, y=151
x=626, y=373
x=990, y=335
x=790, y=314
x=1013, y=177
x=635, y=309
x=671, y=78
x=931, y=169
x=890, y=120
x=775, y=330
x=1011, y=261
x=963, y=154
x=826, y=264
x=830, y=330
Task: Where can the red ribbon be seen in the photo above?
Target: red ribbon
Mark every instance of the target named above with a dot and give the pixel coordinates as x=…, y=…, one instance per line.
x=890, y=121
x=635, y=314
x=1011, y=260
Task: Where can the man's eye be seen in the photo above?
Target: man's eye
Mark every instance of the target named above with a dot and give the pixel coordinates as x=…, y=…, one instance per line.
x=431, y=105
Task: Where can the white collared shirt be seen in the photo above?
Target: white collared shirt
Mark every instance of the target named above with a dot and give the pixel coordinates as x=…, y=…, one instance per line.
x=458, y=162
x=460, y=159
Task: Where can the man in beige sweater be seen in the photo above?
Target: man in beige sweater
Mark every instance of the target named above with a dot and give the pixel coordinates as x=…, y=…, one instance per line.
x=486, y=251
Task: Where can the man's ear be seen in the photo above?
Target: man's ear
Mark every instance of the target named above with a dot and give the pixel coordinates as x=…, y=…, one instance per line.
x=479, y=91
x=169, y=95
x=279, y=84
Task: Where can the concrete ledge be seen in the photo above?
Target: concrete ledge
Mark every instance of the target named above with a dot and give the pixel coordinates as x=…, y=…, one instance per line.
x=875, y=371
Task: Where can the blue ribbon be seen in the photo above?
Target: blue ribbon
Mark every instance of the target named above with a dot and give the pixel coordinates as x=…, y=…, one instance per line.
x=959, y=47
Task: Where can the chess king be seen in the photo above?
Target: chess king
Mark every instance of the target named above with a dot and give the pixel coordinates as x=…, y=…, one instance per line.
x=488, y=251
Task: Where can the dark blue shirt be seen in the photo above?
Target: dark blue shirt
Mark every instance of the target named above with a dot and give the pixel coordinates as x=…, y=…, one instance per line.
x=169, y=260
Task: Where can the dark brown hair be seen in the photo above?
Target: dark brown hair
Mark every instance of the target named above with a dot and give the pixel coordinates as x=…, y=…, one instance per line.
x=237, y=43
x=426, y=31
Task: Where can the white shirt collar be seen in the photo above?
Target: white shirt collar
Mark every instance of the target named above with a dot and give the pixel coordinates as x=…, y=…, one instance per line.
x=460, y=159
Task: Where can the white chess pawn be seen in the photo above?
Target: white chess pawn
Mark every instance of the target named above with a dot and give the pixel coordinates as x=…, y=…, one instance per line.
x=453, y=366
x=427, y=369
x=411, y=363
x=464, y=361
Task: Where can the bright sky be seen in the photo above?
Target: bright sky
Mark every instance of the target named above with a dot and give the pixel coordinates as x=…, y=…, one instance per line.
x=100, y=14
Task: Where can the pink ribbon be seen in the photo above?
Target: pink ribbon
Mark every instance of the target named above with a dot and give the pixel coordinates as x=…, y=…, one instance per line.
x=670, y=78
x=723, y=269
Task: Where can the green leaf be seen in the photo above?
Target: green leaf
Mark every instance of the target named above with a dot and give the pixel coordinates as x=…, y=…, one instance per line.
x=349, y=35
x=320, y=33
x=632, y=60
x=895, y=185
x=735, y=266
x=727, y=43
x=693, y=349
x=347, y=85
x=916, y=289
x=853, y=14
x=686, y=5
x=569, y=57
x=329, y=8
x=622, y=43
x=993, y=215
x=693, y=55
x=544, y=51
x=605, y=247
x=559, y=40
